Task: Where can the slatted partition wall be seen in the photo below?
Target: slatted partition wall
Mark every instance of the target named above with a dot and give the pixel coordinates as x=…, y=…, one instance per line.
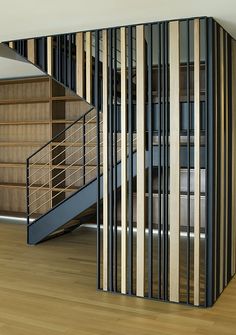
x=223, y=91
x=166, y=91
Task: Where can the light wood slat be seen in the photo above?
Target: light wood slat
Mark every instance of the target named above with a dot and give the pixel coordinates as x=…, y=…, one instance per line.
x=11, y=45
x=222, y=164
x=105, y=159
x=31, y=50
x=233, y=238
x=89, y=67
x=174, y=161
x=80, y=64
x=123, y=160
x=50, y=55
x=197, y=169
x=140, y=97
x=226, y=161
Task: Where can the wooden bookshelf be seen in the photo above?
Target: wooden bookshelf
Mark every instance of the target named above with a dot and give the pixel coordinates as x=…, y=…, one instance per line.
x=32, y=111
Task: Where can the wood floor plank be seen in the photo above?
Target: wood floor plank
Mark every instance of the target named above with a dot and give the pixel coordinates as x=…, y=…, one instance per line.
x=51, y=289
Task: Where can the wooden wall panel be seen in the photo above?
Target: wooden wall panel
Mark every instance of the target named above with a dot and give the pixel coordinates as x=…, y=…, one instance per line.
x=197, y=169
x=80, y=64
x=105, y=159
x=31, y=46
x=140, y=94
x=124, y=198
x=174, y=219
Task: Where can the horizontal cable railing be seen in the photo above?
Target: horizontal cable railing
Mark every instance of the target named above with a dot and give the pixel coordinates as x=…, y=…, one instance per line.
x=63, y=165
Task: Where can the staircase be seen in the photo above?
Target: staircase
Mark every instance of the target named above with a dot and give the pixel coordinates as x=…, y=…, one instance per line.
x=68, y=187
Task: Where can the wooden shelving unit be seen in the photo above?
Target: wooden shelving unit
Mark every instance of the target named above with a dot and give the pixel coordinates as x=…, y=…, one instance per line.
x=32, y=111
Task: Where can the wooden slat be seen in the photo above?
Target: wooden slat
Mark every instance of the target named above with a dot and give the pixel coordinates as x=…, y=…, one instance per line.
x=123, y=160
x=31, y=50
x=50, y=55
x=105, y=160
x=80, y=64
x=197, y=169
x=89, y=67
x=11, y=45
x=140, y=97
x=222, y=196
x=233, y=238
x=174, y=161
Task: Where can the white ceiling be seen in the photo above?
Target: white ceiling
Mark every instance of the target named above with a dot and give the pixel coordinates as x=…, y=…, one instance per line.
x=14, y=66
x=31, y=18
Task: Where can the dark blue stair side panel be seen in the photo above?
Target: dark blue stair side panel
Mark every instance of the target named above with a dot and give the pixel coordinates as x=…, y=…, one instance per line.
x=63, y=213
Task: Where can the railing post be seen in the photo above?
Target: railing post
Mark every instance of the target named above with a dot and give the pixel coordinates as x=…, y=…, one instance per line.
x=27, y=196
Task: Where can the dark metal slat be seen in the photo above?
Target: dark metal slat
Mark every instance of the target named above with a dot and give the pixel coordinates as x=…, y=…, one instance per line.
x=111, y=200
x=130, y=165
x=115, y=155
x=150, y=162
x=188, y=160
x=159, y=84
x=97, y=92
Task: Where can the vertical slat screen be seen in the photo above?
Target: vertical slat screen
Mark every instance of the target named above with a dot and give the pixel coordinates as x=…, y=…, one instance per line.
x=140, y=280
x=31, y=50
x=105, y=159
x=174, y=160
x=167, y=96
x=80, y=64
x=197, y=167
x=123, y=160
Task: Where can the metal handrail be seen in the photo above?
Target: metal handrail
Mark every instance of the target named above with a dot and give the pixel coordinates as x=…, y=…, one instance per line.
x=67, y=187
x=69, y=166
x=62, y=191
x=54, y=147
x=54, y=167
x=82, y=149
x=59, y=134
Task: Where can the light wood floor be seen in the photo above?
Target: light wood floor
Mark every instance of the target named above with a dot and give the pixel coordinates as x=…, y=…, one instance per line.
x=49, y=289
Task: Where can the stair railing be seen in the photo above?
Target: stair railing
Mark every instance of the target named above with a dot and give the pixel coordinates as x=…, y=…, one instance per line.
x=63, y=165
